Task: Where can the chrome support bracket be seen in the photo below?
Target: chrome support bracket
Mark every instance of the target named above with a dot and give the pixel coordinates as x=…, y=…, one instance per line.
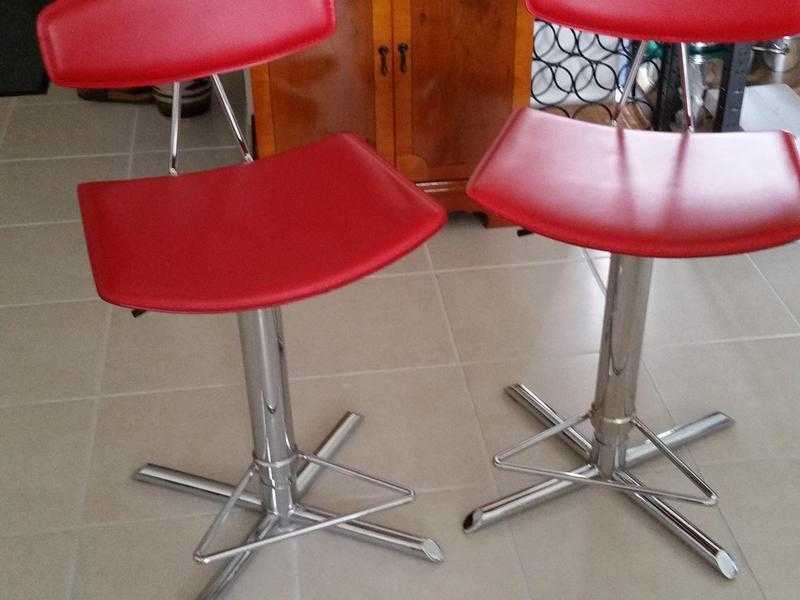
x=202, y=555
x=709, y=497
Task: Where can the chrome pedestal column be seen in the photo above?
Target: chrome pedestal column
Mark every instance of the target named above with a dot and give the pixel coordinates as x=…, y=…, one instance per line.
x=613, y=415
x=283, y=474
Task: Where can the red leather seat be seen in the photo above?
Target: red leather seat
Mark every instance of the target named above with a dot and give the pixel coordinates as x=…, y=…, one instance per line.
x=676, y=20
x=128, y=43
x=642, y=193
x=253, y=235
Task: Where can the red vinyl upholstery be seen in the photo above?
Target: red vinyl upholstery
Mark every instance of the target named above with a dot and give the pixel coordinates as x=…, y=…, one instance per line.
x=642, y=193
x=253, y=235
x=726, y=21
x=128, y=43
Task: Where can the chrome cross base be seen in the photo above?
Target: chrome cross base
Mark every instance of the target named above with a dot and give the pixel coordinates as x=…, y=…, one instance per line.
x=528, y=498
x=303, y=515
x=281, y=474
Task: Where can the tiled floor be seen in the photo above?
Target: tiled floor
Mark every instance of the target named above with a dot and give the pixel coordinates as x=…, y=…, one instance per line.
x=422, y=349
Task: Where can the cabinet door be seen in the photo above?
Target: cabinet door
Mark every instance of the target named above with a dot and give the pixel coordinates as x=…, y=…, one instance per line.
x=337, y=85
x=467, y=64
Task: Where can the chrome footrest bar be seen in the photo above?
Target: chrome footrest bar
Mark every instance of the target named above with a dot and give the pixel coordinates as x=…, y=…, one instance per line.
x=327, y=449
x=201, y=555
x=421, y=547
x=535, y=495
x=709, y=497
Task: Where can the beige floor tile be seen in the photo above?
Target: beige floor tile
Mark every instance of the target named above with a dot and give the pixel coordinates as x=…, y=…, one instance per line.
x=44, y=263
x=780, y=267
x=50, y=351
x=36, y=567
x=5, y=115
x=55, y=95
x=712, y=299
x=45, y=190
x=508, y=312
x=567, y=384
x=417, y=261
x=716, y=298
x=44, y=454
x=166, y=351
x=155, y=164
x=205, y=432
x=207, y=130
x=153, y=559
x=596, y=545
x=380, y=323
x=483, y=565
x=419, y=429
x=760, y=501
x=68, y=129
x=464, y=242
x=757, y=383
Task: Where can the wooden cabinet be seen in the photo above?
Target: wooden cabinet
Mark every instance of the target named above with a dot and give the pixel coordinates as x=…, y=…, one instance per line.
x=428, y=82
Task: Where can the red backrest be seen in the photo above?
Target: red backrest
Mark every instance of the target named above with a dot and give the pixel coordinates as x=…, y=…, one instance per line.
x=724, y=21
x=128, y=43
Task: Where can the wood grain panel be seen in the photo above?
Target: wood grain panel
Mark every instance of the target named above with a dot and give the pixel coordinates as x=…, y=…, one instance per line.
x=461, y=82
x=334, y=86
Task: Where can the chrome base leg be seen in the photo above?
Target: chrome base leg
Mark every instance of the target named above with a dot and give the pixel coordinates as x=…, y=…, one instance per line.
x=674, y=521
x=420, y=547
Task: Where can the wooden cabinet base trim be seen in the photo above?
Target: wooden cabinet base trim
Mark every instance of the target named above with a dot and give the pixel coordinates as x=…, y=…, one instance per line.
x=452, y=195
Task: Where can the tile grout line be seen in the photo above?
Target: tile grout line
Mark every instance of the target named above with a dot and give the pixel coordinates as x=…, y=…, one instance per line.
x=72, y=569
x=6, y=124
x=742, y=559
x=98, y=382
x=39, y=223
x=321, y=376
x=774, y=291
x=132, y=145
x=534, y=263
x=24, y=159
x=53, y=102
x=379, y=275
x=48, y=302
x=110, y=524
x=216, y=386
x=84, y=491
x=733, y=340
x=191, y=149
x=372, y=371
x=211, y=512
x=454, y=348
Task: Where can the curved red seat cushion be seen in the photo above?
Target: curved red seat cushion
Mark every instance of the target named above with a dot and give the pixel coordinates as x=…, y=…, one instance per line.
x=128, y=43
x=725, y=21
x=253, y=235
x=643, y=193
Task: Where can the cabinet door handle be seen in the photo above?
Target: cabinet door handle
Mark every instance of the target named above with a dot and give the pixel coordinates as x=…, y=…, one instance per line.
x=384, y=52
x=403, y=48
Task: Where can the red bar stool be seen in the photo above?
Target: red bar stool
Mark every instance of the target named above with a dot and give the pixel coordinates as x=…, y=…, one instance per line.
x=245, y=239
x=661, y=195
